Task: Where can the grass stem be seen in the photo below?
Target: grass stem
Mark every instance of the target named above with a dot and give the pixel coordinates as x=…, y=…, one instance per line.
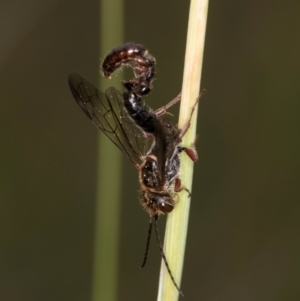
x=177, y=223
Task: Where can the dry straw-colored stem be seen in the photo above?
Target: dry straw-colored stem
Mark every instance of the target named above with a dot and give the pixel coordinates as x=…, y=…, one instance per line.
x=177, y=223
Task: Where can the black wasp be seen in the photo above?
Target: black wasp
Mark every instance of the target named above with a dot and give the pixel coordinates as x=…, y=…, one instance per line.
x=150, y=142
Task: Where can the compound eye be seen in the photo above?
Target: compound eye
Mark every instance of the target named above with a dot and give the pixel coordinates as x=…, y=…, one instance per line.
x=145, y=90
x=165, y=207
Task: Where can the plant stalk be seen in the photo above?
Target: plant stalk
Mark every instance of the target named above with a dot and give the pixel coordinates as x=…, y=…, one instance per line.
x=177, y=222
x=108, y=204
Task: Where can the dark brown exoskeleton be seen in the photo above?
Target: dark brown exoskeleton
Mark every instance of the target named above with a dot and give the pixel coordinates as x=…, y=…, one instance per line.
x=132, y=125
x=139, y=59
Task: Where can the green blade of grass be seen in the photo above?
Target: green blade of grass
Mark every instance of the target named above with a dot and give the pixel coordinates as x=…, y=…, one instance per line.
x=177, y=223
x=109, y=171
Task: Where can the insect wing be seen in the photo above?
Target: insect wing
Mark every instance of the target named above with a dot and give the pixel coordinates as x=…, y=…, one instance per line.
x=107, y=112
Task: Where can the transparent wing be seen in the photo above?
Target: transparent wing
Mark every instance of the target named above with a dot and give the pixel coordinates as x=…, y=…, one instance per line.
x=107, y=112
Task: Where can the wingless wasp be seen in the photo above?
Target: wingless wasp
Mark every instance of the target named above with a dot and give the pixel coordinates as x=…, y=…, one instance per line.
x=148, y=140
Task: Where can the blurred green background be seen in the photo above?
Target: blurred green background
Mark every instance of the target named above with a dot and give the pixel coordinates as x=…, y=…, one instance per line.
x=243, y=240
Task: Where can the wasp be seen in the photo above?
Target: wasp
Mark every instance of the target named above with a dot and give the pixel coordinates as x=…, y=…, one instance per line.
x=151, y=143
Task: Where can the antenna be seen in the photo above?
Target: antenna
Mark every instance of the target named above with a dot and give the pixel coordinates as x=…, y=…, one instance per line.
x=148, y=242
x=164, y=256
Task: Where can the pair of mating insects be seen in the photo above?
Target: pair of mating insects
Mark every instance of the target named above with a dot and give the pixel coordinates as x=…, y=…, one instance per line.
x=130, y=124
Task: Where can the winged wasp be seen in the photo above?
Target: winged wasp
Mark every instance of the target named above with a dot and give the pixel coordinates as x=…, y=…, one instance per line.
x=148, y=140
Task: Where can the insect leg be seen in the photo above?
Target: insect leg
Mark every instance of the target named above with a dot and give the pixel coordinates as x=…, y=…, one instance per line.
x=178, y=187
x=187, y=125
x=163, y=110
